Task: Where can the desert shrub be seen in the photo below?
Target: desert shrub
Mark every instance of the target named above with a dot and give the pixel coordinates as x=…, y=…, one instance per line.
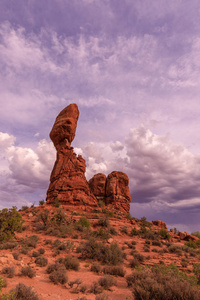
x=176, y=249
x=23, y=292
x=106, y=282
x=24, y=208
x=8, y=245
x=41, y=261
x=15, y=255
x=164, y=234
x=191, y=244
x=96, y=250
x=35, y=254
x=31, y=241
x=101, y=233
x=24, y=250
x=10, y=221
x=69, y=262
x=134, y=231
x=196, y=270
x=83, y=288
x=134, y=263
x=3, y=283
x=28, y=271
x=184, y=263
x=113, y=231
x=146, y=248
x=104, y=222
x=128, y=216
x=114, y=270
x=56, y=203
x=95, y=267
x=9, y=271
x=108, y=213
x=156, y=243
x=84, y=222
x=41, y=202
x=59, y=276
x=196, y=233
x=124, y=229
x=161, y=282
x=95, y=288
x=41, y=250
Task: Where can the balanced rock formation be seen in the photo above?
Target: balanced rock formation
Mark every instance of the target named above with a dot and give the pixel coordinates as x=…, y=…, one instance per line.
x=67, y=182
x=113, y=190
x=160, y=224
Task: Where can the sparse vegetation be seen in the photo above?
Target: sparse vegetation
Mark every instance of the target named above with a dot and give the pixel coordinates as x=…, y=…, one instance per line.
x=10, y=221
x=161, y=282
x=41, y=261
x=22, y=292
x=28, y=271
x=8, y=271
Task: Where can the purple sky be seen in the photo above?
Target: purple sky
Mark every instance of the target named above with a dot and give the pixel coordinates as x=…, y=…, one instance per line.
x=133, y=68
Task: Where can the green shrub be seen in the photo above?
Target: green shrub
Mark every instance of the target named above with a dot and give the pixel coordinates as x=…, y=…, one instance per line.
x=41, y=202
x=31, y=241
x=161, y=282
x=23, y=292
x=59, y=276
x=15, y=255
x=96, y=250
x=28, y=271
x=191, y=244
x=41, y=250
x=157, y=243
x=9, y=271
x=113, y=231
x=83, y=222
x=106, y=282
x=196, y=233
x=10, y=221
x=41, y=261
x=164, y=234
x=95, y=268
x=56, y=203
x=104, y=222
x=196, y=270
x=8, y=245
x=114, y=270
x=69, y=262
x=134, y=231
x=95, y=288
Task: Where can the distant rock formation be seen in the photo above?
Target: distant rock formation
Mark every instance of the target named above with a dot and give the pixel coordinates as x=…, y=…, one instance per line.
x=160, y=224
x=68, y=183
x=113, y=190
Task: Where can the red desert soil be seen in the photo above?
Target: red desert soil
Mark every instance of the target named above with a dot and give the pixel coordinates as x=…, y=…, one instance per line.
x=122, y=224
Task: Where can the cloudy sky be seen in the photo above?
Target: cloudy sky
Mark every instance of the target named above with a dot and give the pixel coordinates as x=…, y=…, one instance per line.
x=133, y=68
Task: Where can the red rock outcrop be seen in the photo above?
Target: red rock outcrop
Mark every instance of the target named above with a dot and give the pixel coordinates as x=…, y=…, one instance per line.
x=113, y=190
x=186, y=236
x=117, y=191
x=160, y=224
x=97, y=186
x=67, y=182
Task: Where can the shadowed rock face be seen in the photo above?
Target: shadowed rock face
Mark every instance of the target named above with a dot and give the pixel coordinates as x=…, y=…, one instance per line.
x=64, y=128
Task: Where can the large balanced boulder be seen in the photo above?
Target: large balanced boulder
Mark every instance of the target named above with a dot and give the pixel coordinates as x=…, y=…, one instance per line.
x=67, y=182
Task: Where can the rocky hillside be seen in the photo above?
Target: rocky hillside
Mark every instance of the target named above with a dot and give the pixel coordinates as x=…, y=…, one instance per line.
x=68, y=252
